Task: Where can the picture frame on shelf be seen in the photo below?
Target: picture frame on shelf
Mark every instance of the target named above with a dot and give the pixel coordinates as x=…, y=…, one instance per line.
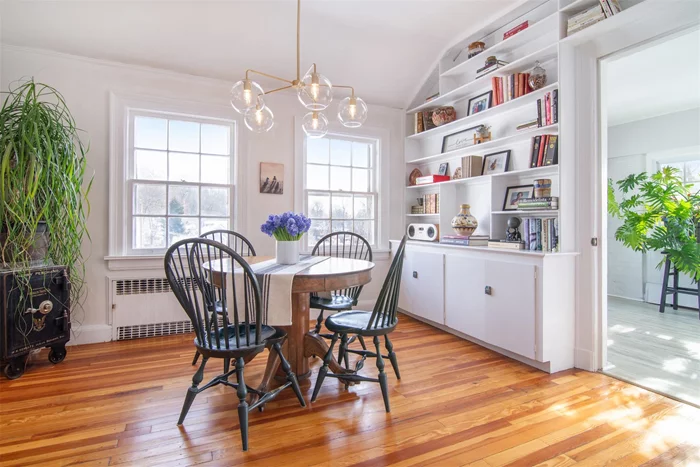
x=496, y=163
x=461, y=139
x=516, y=193
x=444, y=168
x=480, y=103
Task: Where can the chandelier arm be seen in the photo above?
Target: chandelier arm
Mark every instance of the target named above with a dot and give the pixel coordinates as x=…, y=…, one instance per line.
x=267, y=75
x=278, y=89
x=352, y=90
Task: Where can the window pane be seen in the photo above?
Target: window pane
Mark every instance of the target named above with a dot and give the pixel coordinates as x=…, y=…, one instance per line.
x=149, y=199
x=317, y=231
x=149, y=232
x=342, y=206
x=317, y=177
x=150, y=133
x=214, y=201
x=319, y=206
x=692, y=171
x=677, y=165
x=340, y=178
x=360, y=154
x=360, y=180
x=317, y=150
x=213, y=223
x=151, y=165
x=183, y=136
x=366, y=229
x=180, y=228
x=184, y=167
x=364, y=207
x=341, y=152
x=215, y=169
x=216, y=139
x=341, y=226
x=183, y=200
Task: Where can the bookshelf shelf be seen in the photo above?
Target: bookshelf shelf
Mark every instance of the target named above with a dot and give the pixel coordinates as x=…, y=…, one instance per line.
x=647, y=8
x=423, y=215
x=578, y=5
x=492, y=112
x=543, y=212
x=549, y=170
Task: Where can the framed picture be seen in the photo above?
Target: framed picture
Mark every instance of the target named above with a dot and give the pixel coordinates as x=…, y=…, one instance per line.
x=271, y=178
x=459, y=140
x=516, y=193
x=480, y=103
x=444, y=168
x=495, y=163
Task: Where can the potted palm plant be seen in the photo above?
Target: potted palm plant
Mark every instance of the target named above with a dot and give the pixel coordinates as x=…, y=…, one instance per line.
x=659, y=213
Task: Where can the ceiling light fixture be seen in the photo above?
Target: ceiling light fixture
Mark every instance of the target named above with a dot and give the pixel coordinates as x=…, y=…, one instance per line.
x=315, y=92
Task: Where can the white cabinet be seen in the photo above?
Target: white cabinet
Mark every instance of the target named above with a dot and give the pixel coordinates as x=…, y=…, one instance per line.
x=422, y=285
x=493, y=301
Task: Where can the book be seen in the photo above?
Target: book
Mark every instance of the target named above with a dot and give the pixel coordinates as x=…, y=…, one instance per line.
x=606, y=8
x=471, y=166
x=418, y=124
x=582, y=26
x=536, y=141
x=515, y=30
x=550, y=157
x=555, y=106
x=539, y=112
x=464, y=241
x=506, y=245
x=540, y=154
x=527, y=125
x=433, y=97
x=614, y=6
x=548, y=109
x=427, y=179
x=428, y=120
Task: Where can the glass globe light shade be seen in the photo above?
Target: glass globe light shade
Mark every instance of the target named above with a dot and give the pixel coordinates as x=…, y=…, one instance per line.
x=352, y=112
x=245, y=95
x=259, y=119
x=316, y=92
x=315, y=125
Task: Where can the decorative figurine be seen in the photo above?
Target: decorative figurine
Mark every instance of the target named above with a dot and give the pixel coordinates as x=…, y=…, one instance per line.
x=512, y=233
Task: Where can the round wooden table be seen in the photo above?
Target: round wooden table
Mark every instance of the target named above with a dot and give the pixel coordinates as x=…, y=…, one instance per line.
x=331, y=274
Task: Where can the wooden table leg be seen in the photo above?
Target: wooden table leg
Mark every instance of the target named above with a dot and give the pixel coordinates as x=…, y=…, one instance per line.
x=295, y=337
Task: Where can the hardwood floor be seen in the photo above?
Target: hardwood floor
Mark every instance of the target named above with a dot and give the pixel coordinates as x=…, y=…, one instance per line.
x=457, y=404
x=660, y=351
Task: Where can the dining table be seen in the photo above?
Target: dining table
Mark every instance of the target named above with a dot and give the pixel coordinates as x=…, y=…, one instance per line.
x=302, y=343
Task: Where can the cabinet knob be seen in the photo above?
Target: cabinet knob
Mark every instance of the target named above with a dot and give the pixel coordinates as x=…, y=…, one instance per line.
x=415, y=274
x=487, y=290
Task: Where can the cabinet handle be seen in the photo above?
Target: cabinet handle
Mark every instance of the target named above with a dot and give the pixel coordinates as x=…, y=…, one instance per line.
x=415, y=274
x=487, y=290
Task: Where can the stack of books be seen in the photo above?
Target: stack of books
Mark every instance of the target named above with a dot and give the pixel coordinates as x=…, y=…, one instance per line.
x=471, y=166
x=423, y=121
x=431, y=203
x=513, y=31
x=548, y=109
x=507, y=88
x=417, y=210
x=541, y=234
x=506, y=245
x=544, y=151
x=586, y=18
x=486, y=69
x=528, y=125
x=536, y=204
x=428, y=179
x=474, y=240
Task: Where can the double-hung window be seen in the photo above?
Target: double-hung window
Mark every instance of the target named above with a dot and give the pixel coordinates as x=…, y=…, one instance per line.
x=179, y=180
x=689, y=171
x=340, y=186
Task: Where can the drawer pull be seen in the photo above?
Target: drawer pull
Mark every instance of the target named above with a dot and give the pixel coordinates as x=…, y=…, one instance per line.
x=415, y=274
x=487, y=290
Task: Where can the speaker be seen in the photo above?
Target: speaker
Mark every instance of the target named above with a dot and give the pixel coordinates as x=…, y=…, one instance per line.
x=424, y=232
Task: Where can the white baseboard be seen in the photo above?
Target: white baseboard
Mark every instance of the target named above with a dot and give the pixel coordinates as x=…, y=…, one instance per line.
x=91, y=334
x=585, y=360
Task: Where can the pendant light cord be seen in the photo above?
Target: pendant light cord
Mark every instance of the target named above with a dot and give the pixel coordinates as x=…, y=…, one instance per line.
x=298, y=40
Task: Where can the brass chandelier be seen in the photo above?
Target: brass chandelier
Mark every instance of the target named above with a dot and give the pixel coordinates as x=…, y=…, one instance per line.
x=314, y=91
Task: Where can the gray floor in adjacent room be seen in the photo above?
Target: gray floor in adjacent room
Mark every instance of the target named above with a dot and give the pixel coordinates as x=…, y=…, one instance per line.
x=659, y=351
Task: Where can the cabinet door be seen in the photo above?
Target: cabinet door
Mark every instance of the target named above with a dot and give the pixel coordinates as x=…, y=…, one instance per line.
x=465, y=307
x=406, y=282
x=427, y=285
x=510, y=307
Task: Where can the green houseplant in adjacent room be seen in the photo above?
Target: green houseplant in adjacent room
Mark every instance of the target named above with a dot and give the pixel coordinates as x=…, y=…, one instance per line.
x=659, y=213
x=43, y=184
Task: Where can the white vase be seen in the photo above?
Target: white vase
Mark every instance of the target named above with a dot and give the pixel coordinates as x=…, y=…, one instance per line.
x=287, y=252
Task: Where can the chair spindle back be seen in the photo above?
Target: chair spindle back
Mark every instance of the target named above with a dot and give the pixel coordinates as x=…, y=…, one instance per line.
x=385, y=309
x=233, y=240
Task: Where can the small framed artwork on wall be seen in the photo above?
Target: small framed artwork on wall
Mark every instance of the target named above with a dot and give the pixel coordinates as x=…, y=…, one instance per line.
x=271, y=178
x=480, y=103
x=515, y=194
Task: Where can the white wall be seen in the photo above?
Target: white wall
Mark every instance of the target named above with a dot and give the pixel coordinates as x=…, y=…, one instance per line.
x=86, y=85
x=632, y=147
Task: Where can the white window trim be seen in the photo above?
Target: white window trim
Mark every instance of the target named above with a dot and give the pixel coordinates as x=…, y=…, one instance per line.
x=381, y=176
x=118, y=257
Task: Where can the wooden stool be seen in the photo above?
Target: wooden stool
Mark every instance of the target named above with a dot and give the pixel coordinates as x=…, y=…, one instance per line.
x=675, y=289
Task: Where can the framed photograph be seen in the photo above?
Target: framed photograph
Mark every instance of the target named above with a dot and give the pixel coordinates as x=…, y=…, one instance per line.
x=480, y=103
x=459, y=140
x=495, y=163
x=271, y=178
x=444, y=168
x=516, y=193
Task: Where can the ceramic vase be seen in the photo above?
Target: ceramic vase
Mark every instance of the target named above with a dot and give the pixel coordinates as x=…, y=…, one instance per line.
x=287, y=252
x=464, y=223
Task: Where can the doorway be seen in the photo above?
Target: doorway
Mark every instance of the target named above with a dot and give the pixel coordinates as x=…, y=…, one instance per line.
x=650, y=103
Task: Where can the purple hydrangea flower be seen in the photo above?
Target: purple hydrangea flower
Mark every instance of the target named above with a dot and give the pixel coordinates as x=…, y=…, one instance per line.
x=288, y=226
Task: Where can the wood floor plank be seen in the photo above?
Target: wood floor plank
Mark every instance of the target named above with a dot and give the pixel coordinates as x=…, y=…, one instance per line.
x=457, y=404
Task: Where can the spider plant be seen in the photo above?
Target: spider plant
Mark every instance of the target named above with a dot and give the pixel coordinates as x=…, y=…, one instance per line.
x=42, y=180
x=659, y=213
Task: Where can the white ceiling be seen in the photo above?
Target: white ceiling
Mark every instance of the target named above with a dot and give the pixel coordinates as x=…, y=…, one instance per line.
x=657, y=80
x=382, y=47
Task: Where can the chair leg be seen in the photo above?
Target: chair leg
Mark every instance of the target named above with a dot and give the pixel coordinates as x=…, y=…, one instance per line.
x=242, y=393
x=227, y=364
x=192, y=391
x=291, y=377
x=319, y=322
x=343, y=350
x=362, y=342
x=382, y=376
x=196, y=357
x=392, y=356
x=324, y=369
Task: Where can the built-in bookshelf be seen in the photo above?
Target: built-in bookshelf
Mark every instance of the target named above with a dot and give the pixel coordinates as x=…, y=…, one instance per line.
x=455, y=81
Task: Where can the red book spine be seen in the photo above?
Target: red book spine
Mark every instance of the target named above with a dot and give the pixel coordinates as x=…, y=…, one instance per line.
x=515, y=30
x=543, y=146
x=548, y=107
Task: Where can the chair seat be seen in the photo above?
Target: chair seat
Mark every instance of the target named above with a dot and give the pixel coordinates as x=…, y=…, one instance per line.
x=355, y=322
x=336, y=302
x=266, y=332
